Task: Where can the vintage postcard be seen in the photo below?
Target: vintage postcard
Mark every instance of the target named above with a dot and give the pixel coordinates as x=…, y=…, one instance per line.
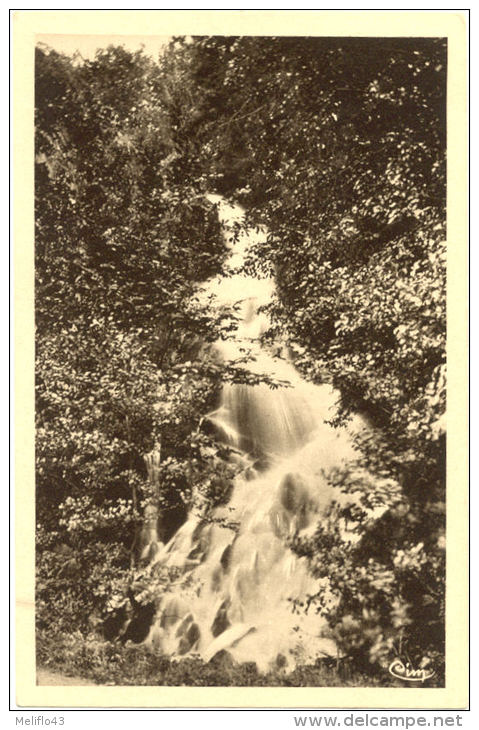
x=241, y=304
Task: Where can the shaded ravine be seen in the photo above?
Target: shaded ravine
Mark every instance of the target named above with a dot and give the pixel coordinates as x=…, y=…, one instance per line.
x=243, y=587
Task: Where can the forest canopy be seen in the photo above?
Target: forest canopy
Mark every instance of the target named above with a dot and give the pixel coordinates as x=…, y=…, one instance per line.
x=337, y=148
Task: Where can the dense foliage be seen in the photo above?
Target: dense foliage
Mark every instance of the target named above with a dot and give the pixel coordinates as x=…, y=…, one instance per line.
x=337, y=146
x=123, y=365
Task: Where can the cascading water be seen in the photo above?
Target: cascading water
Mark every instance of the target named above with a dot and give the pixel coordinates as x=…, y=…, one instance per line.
x=242, y=586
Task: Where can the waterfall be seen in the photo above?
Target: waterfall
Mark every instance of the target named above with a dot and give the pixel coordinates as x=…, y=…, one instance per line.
x=149, y=539
x=242, y=587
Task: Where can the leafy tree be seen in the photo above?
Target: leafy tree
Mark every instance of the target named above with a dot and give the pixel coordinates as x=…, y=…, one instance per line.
x=123, y=332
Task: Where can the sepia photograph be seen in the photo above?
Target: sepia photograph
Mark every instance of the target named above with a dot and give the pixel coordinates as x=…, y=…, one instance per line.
x=240, y=265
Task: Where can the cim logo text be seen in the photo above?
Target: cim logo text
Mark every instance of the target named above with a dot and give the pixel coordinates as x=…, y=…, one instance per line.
x=404, y=671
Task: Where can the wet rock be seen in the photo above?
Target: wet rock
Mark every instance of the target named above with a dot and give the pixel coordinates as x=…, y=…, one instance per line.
x=183, y=646
x=293, y=493
x=216, y=579
x=193, y=633
x=221, y=621
x=174, y=610
x=222, y=660
x=188, y=641
x=228, y=638
x=196, y=553
x=209, y=427
x=225, y=559
x=184, y=625
x=262, y=463
x=236, y=457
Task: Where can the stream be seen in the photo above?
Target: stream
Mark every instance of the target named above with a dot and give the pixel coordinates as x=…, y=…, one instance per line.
x=243, y=588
